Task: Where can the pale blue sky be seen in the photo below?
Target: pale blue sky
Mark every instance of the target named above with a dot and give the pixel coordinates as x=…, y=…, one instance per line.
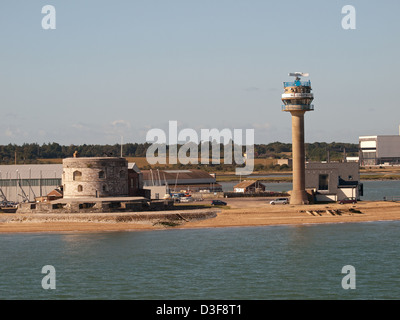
x=115, y=68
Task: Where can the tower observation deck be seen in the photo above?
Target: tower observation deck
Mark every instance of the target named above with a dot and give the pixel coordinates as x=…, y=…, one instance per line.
x=297, y=98
x=297, y=94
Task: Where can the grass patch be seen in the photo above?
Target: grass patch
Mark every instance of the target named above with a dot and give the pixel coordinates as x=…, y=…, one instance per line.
x=192, y=206
x=379, y=177
x=198, y=206
x=222, y=207
x=228, y=178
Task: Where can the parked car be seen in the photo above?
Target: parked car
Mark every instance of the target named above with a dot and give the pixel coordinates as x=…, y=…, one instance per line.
x=176, y=197
x=187, y=199
x=218, y=203
x=348, y=200
x=279, y=201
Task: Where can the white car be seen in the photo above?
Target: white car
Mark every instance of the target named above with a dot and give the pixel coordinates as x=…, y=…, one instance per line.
x=187, y=199
x=279, y=201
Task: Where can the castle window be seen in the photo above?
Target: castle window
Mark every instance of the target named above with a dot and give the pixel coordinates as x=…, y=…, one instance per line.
x=80, y=188
x=101, y=175
x=77, y=176
x=104, y=188
x=122, y=174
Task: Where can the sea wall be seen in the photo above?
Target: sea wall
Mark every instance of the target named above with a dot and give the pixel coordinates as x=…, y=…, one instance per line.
x=94, y=206
x=175, y=217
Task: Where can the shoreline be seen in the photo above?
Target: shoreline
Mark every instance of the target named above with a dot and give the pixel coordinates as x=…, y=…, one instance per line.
x=275, y=179
x=242, y=213
x=286, y=176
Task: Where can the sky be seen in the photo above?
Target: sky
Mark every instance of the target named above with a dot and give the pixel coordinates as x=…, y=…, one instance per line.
x=114, y=70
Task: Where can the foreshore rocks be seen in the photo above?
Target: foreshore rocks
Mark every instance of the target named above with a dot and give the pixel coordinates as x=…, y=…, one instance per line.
x=178, y=216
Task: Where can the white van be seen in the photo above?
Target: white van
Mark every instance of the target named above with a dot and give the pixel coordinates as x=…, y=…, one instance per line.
x=280, y=201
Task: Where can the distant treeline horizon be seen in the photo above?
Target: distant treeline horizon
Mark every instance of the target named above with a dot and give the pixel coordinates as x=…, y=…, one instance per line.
x=32, y=152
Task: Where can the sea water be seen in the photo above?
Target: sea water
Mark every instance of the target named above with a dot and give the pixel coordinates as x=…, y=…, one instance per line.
x=271, y=262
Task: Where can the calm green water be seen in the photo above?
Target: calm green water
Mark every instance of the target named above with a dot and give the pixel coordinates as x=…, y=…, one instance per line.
x=278, y=262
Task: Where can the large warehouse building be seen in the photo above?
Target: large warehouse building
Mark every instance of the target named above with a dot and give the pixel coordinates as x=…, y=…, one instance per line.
x=25, y=182
x=379, y=150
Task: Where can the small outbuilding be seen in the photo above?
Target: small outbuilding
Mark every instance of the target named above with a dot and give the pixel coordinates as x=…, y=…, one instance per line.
x=249, y=186
x=135, y=180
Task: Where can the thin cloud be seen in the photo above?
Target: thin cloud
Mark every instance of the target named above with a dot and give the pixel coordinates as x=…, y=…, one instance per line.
x=121, y=124
x=252, y=89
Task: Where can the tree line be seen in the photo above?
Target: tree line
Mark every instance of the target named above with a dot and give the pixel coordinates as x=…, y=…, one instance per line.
x=32, y=152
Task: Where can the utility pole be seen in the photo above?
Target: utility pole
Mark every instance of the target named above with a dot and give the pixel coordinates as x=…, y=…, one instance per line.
x=121, y=145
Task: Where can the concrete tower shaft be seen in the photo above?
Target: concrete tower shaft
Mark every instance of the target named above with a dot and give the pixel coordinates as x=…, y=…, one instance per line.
x=297, y=99
x=298, y=195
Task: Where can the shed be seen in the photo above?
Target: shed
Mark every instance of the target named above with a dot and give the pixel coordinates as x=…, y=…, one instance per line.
x=249, y=186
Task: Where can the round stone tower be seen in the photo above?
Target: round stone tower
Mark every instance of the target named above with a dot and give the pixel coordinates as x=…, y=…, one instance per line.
x=95, y=177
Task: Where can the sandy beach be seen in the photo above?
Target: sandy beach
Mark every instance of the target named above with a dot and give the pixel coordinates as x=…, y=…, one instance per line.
x=239, y=213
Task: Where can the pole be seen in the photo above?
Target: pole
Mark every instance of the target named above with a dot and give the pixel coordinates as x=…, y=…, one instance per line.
x=16, y=186
x=29, y=184
x=121, y=145
x=40, y=183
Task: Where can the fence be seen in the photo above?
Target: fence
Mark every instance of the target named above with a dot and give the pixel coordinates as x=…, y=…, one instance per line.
x=258, y=194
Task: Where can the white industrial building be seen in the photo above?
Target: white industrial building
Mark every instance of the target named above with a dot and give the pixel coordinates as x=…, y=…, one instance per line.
x=379, y=150
x=333, y=181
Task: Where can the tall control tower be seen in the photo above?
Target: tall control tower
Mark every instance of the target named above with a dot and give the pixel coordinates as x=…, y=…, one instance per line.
x=297, y=100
